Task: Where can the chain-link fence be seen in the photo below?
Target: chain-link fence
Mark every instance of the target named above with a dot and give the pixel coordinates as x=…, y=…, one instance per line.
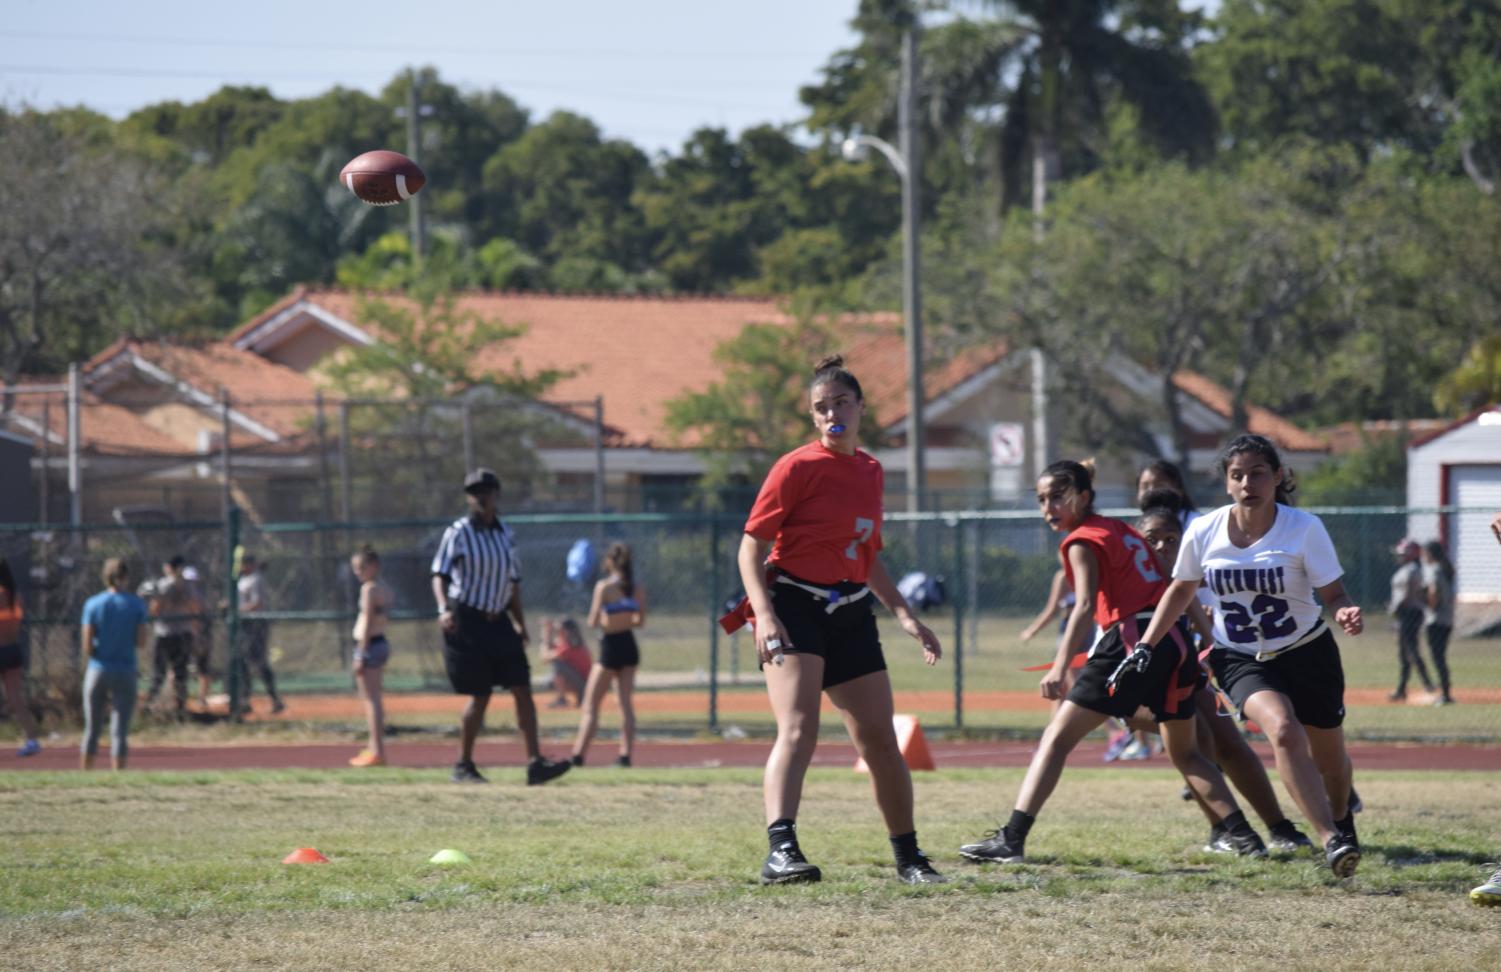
x=995, y=569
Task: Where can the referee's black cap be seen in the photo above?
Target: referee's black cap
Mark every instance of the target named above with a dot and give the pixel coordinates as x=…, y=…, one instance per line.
x=481, y=479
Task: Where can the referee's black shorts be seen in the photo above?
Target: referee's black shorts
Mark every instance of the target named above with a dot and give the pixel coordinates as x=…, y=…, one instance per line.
x=1310, y=675
x=483, y=653
x=846, y=639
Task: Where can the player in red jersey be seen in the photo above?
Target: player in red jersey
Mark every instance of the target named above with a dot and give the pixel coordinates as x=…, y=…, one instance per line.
x=1112, y=569
x=819, y=515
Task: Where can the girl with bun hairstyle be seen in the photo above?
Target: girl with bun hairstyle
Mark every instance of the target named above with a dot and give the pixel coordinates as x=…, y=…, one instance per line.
x=809, y=560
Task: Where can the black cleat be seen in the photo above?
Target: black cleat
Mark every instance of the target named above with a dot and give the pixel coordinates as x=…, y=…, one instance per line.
x=576, y=759
x=464, y=772
x=1287, y=838
x=999, y=847
x=542, y=769
x=1245, y=842
x=787, y=865
x=1218, y=842
x=1343, y=854
x=920, y=871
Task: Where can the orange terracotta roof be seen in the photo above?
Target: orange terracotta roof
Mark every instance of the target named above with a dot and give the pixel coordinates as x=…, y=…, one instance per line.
x=638, y=353
x=1260, y=420
x=104, y=429
x=641, y=352
x=273, y=395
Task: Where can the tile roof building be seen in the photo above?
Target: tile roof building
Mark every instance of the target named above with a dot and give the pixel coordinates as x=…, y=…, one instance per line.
x=159, y=403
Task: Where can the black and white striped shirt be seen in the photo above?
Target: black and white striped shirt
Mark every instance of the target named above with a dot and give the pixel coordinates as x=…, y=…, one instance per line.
x=480, y=563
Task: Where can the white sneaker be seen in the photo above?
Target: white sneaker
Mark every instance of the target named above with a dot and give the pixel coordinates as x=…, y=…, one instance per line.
x=1488, y=895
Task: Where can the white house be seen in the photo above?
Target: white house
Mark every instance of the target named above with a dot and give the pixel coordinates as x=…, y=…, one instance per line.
x=1460, y=466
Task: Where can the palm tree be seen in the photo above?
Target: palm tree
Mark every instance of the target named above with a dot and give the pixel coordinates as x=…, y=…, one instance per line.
x=1034, y=77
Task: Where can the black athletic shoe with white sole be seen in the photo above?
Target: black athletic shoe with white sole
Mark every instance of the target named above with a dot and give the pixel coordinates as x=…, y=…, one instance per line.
x=1218, y=842
x=1343, y=855
x=920, y=871
x=787, y=865
x=998, y=847
x=1287, y=838
x=1245, y=842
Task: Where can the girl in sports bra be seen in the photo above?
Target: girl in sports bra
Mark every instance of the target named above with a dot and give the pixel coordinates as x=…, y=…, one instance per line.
x=619, y=607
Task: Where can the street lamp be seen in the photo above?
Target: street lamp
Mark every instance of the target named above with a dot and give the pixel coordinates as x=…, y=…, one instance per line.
x=908, y=165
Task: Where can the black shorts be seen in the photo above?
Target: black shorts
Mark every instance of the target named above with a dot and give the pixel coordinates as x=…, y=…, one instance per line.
x=11, y=656
x=175, y=648
x=618, y=650
x=1167, y=687
x=483, y=653
x=1310, y=676
x=254, y=636
x=846, y=639
x=201, y=652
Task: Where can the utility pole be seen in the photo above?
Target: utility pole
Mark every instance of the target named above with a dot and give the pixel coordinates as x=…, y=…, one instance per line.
x=917, y=478
x=414, y=152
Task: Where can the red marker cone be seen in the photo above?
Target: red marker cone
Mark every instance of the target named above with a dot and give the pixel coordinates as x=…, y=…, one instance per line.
x=304, y=855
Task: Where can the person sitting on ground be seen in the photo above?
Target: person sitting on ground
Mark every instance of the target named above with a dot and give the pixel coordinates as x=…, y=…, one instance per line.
x=563, y=647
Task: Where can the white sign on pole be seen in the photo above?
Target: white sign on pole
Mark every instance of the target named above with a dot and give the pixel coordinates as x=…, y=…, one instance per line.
x=1007, y=444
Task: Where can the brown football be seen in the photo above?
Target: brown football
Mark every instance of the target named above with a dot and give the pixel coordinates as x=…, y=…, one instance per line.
x=382, y=177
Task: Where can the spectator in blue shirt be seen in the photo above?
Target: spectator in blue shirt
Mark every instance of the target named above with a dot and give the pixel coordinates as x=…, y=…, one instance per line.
x=114, y=631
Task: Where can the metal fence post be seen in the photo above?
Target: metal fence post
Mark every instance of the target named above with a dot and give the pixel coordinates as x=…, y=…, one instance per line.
x=958, y=526
x=237, y=675
x=714, y=598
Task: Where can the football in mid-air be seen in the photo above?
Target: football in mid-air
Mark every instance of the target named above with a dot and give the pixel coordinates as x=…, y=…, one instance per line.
x=382, y=177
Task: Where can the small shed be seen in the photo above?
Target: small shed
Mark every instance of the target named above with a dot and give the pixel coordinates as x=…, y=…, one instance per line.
x=1460, y=466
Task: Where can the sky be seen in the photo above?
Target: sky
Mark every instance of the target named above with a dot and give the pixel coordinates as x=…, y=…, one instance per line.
x=650, y=72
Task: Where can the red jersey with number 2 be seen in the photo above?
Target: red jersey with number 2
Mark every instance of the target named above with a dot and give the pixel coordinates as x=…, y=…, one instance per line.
x=822, y=509
x=1128, y=576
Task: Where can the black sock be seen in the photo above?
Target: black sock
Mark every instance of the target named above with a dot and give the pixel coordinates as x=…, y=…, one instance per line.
x=904, y=847
x=1234, y=822
x=1346, y=824
x=1020, y=824
x=781, y=832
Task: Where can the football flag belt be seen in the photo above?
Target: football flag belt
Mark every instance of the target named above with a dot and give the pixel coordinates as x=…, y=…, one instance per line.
x=1313, y=633
x=1177, y=689
x=836, y=599
x=742, y=614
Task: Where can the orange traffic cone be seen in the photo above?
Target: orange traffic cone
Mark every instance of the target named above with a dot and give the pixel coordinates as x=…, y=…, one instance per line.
x=304, y=855
x=912, y=743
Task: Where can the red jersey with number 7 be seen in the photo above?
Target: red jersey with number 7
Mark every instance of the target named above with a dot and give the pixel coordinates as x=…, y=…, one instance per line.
x=822, y=510
x=1129, y=581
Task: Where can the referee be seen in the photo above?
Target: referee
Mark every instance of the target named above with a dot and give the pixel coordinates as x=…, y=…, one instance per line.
x=477, y=584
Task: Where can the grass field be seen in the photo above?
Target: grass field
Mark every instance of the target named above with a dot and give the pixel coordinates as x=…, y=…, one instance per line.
x=616, y=869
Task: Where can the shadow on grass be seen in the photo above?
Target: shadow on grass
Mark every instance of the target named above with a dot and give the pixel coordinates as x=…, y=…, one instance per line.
x=1406, y=855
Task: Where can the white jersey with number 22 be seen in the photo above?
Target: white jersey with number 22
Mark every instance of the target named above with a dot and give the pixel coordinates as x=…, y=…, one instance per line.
x=1263, y=595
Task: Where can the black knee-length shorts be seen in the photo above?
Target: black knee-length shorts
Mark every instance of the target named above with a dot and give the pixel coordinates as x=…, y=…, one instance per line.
x=484, y=653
